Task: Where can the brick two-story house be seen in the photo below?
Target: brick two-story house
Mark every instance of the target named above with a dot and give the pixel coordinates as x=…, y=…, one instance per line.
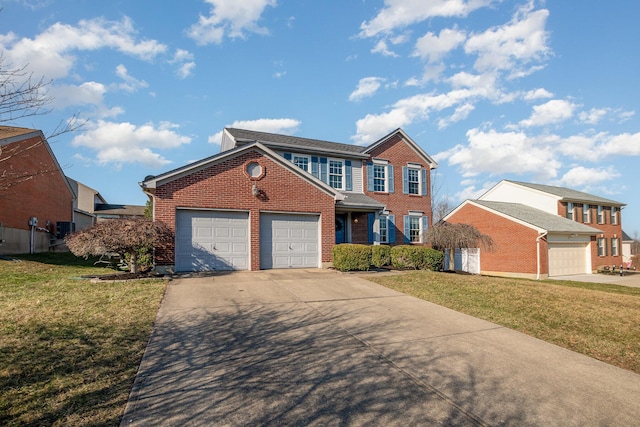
x=542, y=230
x=279, y=201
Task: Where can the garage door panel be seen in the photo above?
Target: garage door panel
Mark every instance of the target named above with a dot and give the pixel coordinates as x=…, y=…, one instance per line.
x=289, y=241
x=211, y=240
x=567, y=259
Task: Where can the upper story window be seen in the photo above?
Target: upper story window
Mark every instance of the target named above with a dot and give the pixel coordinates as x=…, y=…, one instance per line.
x=570, y=211
x=586, y=213
x=601, y=218
x=414, y=180
x=336, y=170
x=380, y=176
x=614, y=215
x=301, y=161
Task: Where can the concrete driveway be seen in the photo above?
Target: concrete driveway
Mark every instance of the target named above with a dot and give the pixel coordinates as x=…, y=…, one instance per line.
x=315, y=347
x=631, y=279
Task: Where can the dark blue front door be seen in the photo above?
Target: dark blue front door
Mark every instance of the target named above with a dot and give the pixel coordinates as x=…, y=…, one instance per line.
x=341, y=228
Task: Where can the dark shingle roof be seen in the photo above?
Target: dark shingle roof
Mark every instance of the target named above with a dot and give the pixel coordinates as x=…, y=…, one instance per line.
x=569, y=194
x=538, y=218
x=270, y=139
x=115, y=209
x=357, y=200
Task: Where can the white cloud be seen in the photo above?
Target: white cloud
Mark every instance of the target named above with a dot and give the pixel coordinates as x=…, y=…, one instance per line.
x=88, y=93
x=280, y=126
x=593, y=116
x=230, y=18
x=554, y=111
x=186, y=70
x=536, y=94
x=382, y=48
x=401, y=13
x=184, y=60
x=130, y=84
x=367, y=87
x=433, y=47
x=580, y=176
x=470, y=192
x=50, y=52
x=498, y=153
x=120, y=143
x=514, y=46
x=461, y=113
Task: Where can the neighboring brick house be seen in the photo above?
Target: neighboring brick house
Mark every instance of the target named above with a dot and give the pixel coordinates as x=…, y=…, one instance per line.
x=278, y=201
x=32, y=188
x=541, y=231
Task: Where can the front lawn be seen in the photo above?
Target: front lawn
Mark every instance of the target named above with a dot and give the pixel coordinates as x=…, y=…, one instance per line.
x=69, y=348
x=601, y=321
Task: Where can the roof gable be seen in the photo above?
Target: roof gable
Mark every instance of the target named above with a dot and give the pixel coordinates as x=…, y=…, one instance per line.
x=410, y=142
x=568, y=194
x=151, y=182
x=531, y=217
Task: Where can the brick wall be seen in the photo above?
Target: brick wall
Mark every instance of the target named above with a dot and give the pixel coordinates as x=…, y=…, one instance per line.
x=44, y=194
x=225, y=185
x=398, y=153
x=515, y=248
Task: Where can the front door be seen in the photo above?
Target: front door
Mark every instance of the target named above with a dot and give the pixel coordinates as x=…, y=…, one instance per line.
x=341, y=228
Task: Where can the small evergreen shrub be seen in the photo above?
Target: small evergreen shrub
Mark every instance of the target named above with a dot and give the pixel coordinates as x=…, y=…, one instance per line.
x=416, y=257
x=380, y=255
x=351, y=257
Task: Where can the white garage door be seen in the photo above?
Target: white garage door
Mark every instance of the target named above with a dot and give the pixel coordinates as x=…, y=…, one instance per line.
x=212, y=240
x=567, y=258
x=289, y=241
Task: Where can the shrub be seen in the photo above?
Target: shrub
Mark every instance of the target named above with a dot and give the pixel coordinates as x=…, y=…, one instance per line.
x=380, y=255
x=351, y=257
x=416, y=257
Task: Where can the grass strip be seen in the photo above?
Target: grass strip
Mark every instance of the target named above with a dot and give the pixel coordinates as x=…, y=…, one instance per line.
x=69, y=348
x=599, y=320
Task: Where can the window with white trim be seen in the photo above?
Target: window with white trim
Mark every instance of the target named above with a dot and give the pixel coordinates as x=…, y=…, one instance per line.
x=415, y=226
x=615, y=247
x=602, y=246
x=301, y=161
x=413, y=179
x=570, y=211
x=414, y=229
x=586, y=213
x=384, y=229
x=336, y=174
x=379, y=178
x=601, y=214
x=614, y=215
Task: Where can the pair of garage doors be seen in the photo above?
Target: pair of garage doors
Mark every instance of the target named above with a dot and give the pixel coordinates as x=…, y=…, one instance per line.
x=221, y=240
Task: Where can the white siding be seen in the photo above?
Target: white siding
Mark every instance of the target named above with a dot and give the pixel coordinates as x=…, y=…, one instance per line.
x=512, y=193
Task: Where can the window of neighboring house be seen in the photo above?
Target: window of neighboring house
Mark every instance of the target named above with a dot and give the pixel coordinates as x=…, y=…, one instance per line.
x=301, y=161
x=602, y=246
x=570, y=211
x=336, y=168
x=615, y=247
x=614, y=215
x=586, y=214
x=601, y=214
x=379, y=178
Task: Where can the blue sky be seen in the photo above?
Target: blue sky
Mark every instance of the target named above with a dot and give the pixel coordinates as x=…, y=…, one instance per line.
x=536, y=91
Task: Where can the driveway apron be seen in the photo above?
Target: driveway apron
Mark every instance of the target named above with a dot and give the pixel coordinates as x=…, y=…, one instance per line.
x=315, y=347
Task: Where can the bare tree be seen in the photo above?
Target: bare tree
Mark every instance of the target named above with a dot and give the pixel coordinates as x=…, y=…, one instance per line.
x=444, y=235
x=21, y=96
x=126, y=237
x=440, y=205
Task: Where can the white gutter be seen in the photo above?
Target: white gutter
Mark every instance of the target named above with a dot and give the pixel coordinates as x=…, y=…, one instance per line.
x=540, y=236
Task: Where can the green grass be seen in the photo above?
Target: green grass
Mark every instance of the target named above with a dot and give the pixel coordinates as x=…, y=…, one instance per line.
x=601, y=321
x=69, y=348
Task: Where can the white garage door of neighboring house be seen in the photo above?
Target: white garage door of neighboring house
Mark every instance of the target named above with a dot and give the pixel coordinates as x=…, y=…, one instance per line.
x=212, y=240
x=567, y=258
x=467, y=259
x=289, y=241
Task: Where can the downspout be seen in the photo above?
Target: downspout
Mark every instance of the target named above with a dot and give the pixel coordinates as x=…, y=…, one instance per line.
x=540, y=236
